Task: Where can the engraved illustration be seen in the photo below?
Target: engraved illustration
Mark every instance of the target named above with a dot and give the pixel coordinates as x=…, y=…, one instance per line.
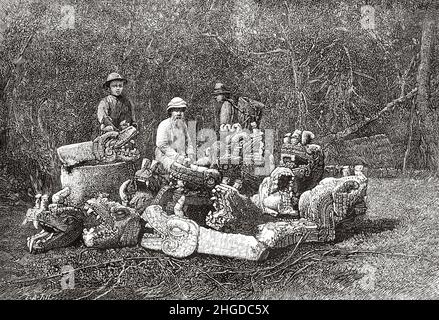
x=216, y=150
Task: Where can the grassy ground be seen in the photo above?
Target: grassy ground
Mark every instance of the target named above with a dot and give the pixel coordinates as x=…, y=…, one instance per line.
x=393, y=253
x=395, y=250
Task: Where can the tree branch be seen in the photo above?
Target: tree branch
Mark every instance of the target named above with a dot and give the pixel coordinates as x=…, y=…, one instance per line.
x=324, y=141
x=25, y=46
x=403, y=78
x=270, y=51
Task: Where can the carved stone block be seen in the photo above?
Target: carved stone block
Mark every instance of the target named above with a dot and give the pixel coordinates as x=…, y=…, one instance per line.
x=87, y=181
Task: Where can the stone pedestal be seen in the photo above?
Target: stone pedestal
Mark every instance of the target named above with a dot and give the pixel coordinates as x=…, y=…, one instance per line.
x=87, y=181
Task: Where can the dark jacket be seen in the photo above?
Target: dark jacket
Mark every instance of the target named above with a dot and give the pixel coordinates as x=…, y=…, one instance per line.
x=226, y=113
x=114, y=112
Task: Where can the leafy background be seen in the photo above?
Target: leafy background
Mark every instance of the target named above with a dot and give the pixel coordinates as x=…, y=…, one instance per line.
x=310, y=62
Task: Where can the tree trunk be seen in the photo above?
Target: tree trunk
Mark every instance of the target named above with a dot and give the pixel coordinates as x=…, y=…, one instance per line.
x=330, y=138
x=428, y=118
x=4, y=116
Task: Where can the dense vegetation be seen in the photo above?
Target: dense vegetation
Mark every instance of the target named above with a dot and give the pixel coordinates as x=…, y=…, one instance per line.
x=322, y=66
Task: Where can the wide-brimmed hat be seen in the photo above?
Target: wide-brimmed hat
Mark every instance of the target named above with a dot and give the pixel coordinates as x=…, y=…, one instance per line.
x=220, y=88
x=176, y=103
x=113, y=76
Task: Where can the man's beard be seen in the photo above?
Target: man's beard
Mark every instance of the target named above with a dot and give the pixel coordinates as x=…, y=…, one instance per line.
x=178, y=122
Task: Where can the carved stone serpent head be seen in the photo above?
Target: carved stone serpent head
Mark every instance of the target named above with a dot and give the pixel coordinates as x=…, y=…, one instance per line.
x=115, y=225
x=174, y=235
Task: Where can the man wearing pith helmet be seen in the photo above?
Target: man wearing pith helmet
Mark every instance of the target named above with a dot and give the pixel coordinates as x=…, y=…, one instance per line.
x=173, y=142
x=115, y=111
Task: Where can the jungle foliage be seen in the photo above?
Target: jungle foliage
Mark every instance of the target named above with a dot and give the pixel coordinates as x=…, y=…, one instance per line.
x=317, y=65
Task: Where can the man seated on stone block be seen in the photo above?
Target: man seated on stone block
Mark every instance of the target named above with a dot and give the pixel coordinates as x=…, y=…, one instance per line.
x=115, y=111
x=173, y=142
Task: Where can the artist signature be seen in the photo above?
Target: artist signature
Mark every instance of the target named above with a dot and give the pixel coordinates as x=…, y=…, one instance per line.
x=38, y=296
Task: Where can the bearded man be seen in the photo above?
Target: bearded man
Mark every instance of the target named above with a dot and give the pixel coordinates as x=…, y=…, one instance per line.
x=173, y=142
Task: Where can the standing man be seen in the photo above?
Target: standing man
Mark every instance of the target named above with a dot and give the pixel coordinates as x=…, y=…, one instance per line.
x=173, y=142
x=226, y=113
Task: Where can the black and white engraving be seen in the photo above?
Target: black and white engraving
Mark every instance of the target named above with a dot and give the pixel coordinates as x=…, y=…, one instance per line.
x=215, y=150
